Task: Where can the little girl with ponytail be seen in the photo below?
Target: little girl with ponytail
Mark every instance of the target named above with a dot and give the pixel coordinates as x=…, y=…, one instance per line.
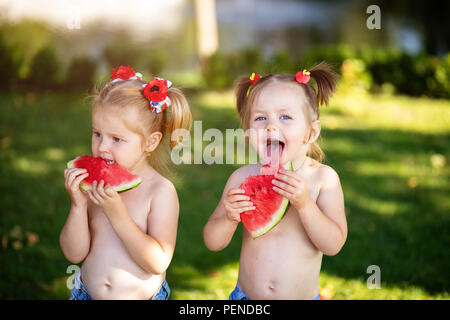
x=126, y=241
x=281, y=111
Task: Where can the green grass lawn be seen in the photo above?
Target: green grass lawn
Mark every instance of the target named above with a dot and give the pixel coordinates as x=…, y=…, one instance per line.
x=391, y=153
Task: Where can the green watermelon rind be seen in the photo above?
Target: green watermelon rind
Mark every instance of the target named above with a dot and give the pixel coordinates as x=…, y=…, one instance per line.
x=279, y=214
x=123, y=187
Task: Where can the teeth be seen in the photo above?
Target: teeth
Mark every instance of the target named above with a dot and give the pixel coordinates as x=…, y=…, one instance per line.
x=275, y=143
x=110, y=162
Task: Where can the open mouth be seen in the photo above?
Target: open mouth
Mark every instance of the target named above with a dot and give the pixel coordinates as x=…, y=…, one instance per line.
x=108, y=161
x=274, y=151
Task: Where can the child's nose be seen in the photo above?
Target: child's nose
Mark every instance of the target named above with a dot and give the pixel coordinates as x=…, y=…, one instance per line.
x=103, y=146
x=271, y=126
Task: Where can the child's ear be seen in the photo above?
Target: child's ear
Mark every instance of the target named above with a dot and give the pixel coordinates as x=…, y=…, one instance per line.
x=152, y=141
x=314, y=131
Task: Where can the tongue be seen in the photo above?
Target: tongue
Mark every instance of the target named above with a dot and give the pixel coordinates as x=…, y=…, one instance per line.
x=272, y=159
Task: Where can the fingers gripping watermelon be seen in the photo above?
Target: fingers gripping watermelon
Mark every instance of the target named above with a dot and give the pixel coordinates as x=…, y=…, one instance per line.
x=270, y=205
x=113, y=174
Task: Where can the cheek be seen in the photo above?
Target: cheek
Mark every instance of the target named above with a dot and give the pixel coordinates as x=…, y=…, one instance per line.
x=132, y=148
x=94, y=145
x=256, y=125
x=256, y=136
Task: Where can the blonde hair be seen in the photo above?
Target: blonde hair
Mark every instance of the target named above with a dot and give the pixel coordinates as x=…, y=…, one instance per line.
x=128, y=95
x=325, y=80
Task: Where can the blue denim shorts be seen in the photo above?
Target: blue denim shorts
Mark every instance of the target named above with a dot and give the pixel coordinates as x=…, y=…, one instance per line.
x=238, y=294
x=79, y=291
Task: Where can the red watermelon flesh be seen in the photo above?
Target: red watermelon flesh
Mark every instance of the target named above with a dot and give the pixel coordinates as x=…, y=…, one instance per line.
x=270, y=205
x=113, y=174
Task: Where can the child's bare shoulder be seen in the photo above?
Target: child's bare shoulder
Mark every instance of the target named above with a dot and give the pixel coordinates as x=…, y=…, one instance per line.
x=163, y=197
x=157, y=184
x=325, y=174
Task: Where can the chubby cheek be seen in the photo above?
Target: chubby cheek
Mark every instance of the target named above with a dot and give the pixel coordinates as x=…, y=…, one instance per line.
x=94, y=147
x=295, y=145
x=257, y=138
x=121, y=154
x=128, y=154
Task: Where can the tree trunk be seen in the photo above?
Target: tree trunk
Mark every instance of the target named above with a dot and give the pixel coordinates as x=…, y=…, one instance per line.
x=207, y=34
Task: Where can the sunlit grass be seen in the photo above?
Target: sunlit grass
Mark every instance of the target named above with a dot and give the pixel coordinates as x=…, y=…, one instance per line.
x=357, y=289
x=391, y=154
x=383, y=111
x=194, y=284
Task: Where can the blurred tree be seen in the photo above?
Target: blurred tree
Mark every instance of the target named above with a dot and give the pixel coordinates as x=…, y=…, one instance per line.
x=207, y=34
x=44, y=69
x=123, y=51
x=8, y=65
x=156, y=60
x=25, y=38
x=431, y=18
x=80, y=75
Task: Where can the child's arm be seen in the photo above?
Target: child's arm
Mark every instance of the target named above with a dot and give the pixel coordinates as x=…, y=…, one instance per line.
x=75, y=238
x=324, y=220
x=223, y=222
x=153, y=250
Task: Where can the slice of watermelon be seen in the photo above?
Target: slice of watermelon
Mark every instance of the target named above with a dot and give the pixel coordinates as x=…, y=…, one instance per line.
x=270, y=205
x=113, y=174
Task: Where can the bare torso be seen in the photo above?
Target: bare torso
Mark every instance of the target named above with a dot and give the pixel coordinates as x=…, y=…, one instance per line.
x=283, y=263
x=108, y=271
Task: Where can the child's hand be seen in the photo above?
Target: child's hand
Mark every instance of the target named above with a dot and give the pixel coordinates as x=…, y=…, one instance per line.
x=235, y=203
x=106, y=198
x=290, y=185
x=73, y=178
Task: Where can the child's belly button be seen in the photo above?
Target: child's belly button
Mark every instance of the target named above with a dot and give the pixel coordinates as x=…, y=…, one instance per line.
x=108, y=284
x=271, y=287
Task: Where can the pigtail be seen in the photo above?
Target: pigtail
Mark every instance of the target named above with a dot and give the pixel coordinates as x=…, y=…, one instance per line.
x=326, y=80
x=314, y=151
x=181, y=117
x=242, y=89
x=242, y=86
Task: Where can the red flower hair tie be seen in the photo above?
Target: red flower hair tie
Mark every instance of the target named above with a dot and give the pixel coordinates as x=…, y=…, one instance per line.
x=156, y=92
x=303, y=76
x=124, y=73
x=254, y=77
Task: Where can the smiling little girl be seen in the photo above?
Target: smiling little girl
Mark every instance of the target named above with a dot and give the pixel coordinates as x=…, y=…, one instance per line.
x=282, y=112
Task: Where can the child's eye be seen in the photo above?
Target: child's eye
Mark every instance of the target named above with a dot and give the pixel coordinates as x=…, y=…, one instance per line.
x=260, y=118
x=96, y=134
x=117, y=139
x=285, y=117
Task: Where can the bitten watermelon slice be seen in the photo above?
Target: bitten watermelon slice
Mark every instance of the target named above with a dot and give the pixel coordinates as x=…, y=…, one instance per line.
x=113, y=174
x=270, y=206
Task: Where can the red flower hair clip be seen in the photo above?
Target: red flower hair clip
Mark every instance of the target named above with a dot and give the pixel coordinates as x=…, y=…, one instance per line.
x=303, y=76
x=254, y=77
x=156, y=92
x=124, y=73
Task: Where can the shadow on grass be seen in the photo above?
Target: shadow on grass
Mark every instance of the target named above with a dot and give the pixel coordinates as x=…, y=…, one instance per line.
x=401, y=229
x=407, y=241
